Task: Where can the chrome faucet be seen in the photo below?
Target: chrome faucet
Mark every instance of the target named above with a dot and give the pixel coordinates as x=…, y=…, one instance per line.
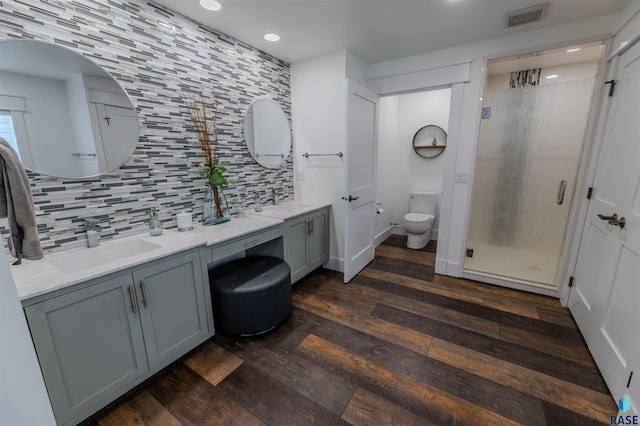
x=91, y=228
x=275, y=196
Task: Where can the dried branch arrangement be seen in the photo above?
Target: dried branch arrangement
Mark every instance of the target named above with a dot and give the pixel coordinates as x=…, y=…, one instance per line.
x=213, y=170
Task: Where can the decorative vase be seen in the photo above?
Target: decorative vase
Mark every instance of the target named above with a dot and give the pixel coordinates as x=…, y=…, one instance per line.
x=215, y=209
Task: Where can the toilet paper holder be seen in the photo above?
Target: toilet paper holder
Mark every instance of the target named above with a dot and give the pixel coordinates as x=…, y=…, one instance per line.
x=379, y=209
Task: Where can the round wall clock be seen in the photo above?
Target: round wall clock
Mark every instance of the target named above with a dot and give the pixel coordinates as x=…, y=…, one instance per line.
x=430, y=141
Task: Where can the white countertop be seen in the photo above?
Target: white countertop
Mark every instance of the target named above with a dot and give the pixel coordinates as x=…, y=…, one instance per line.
x=69, y=267
x=286, y=209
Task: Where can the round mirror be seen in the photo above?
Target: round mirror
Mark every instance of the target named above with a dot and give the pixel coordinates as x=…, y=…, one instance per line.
x=63, y=114
x=267, y=133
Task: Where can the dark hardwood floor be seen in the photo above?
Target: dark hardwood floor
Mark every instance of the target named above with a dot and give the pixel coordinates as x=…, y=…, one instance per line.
x=399, y=345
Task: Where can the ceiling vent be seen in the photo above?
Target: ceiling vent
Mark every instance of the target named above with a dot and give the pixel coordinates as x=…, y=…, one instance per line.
x=526, y=15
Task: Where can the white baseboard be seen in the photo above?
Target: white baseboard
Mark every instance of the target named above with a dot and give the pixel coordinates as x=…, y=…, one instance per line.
x=383, y=236
x=398, y=231
x=453, y=269
x=441, y=266
x=334, y=264
x=511, y=283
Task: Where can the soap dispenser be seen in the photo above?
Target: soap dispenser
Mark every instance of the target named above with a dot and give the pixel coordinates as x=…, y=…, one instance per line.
x=155, y=226
x=258, y=207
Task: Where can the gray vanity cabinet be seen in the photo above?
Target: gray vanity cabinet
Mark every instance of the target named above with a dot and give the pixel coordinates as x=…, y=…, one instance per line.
x=306, y=242
x=171, y=300
x=98, y=341
x=89, y=344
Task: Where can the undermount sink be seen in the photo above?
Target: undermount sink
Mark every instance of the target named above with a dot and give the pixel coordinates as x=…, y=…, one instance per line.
x=287, y=206
x=95, y=256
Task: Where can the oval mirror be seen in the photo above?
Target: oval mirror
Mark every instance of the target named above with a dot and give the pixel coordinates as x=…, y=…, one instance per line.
x=267, y=133
x=64, y=115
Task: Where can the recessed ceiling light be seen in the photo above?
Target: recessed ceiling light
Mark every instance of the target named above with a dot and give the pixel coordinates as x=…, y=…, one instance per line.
x=271, y=37
x=573, y=50
x=552, y=76
x=210, y=4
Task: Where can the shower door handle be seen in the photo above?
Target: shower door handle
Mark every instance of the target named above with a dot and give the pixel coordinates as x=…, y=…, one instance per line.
x=561, y=190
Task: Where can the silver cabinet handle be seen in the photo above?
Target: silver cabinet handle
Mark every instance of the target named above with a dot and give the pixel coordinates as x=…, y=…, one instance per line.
x=561, y=190
x=144, y=294
x=310, y=227
x=132, y=297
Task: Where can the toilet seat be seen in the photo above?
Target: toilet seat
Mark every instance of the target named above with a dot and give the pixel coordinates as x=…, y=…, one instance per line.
x=417, y=217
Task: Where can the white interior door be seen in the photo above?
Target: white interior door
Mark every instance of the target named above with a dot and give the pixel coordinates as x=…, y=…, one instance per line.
x=605, y=300
x=360, y=163
x=117, y=124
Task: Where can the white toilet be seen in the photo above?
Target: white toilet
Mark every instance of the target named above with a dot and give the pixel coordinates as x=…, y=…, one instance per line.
x=419, y=220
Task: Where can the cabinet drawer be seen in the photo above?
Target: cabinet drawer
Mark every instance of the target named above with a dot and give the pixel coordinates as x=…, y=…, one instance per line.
x=244, y=243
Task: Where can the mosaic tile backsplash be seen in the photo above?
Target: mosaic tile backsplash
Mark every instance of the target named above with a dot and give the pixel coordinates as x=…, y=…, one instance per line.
x=156, y=66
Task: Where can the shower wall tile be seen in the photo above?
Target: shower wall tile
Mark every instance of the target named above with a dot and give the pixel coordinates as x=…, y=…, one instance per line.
x=157, y=67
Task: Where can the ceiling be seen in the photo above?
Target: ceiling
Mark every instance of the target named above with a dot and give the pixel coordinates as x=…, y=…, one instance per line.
x=588, y=52
x=377, y=30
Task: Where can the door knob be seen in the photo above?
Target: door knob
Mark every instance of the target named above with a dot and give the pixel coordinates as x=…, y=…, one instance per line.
x=351, y=198
x=621, y=223
x=612, y=217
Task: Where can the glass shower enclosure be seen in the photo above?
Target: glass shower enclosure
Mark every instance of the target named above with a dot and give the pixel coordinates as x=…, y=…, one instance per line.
x=529, y=149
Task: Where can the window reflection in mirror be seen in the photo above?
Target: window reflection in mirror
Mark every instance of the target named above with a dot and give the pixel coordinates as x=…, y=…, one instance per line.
x=7, y=131
x=68, y=117
x=267, y=133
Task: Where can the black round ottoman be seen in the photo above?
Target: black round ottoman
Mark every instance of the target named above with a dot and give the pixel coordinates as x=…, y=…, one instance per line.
x=250, y=295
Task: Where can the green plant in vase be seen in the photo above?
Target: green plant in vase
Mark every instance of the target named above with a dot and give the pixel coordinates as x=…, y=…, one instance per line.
x=215, y=209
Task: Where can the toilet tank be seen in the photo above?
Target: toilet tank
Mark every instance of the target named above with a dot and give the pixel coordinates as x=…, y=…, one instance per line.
x=423, y=202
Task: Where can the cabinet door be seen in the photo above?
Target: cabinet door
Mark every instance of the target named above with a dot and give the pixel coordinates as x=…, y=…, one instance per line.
x=171, y=296
x=89, y=344
x=318, y=238
x=295, y=246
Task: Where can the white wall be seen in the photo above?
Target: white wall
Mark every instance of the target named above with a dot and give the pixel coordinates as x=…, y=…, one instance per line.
x=466, y=121
x=400, y=169
x=83, y=141
x=319, y=126
x=388, y=117
x=23, y=397
x=628, y=23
